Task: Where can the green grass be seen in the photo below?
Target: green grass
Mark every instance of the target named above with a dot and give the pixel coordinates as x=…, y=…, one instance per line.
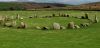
x=88, y=37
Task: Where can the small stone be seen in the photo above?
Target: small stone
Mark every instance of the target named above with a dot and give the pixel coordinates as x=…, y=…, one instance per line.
x=56, y=26
x=96, y=19
x=77, y=27
x=37, y=27
x=71, y=25
x=22, y=25
x=45, y=28
x=85, y=24
x=62, y=27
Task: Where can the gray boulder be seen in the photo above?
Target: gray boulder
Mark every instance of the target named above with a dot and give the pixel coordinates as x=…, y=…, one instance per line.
x=56, y=26
x=71, y=25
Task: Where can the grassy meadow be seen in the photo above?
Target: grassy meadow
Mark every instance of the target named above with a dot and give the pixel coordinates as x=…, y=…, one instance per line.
x=88, y=37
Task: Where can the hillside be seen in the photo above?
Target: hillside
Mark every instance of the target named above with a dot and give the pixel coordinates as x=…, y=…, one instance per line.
x=27, y=5
x=50, y=6
x=91, y=6
x=10, y=6
x=87, y=6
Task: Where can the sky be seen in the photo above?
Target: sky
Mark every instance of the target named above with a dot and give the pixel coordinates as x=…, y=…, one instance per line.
x=57, y=1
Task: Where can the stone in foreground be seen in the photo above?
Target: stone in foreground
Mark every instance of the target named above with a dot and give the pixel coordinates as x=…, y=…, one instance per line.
x=56, y=26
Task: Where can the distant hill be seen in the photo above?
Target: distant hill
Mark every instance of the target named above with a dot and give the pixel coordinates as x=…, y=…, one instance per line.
x=10, y=6
x=91, y=6
x=53, y=6
x=87, y=6
x=93, y=3
x=28, y=5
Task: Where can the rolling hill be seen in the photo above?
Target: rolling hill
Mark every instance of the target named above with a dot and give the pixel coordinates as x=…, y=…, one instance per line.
x=91, y=6
x=53, y=6
x=27, y=5
x=87, y=6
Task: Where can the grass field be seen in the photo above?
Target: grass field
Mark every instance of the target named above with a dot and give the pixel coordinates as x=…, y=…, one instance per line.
x=88, y=37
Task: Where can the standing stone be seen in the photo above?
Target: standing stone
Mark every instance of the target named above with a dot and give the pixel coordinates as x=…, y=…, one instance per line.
x=53, y=15
x=17, y=17
x=71, y=25
x=59, y=14
x=96, y=19
x=86, y=16
x=22, y=25
x=6, y=18
x=56, y=26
